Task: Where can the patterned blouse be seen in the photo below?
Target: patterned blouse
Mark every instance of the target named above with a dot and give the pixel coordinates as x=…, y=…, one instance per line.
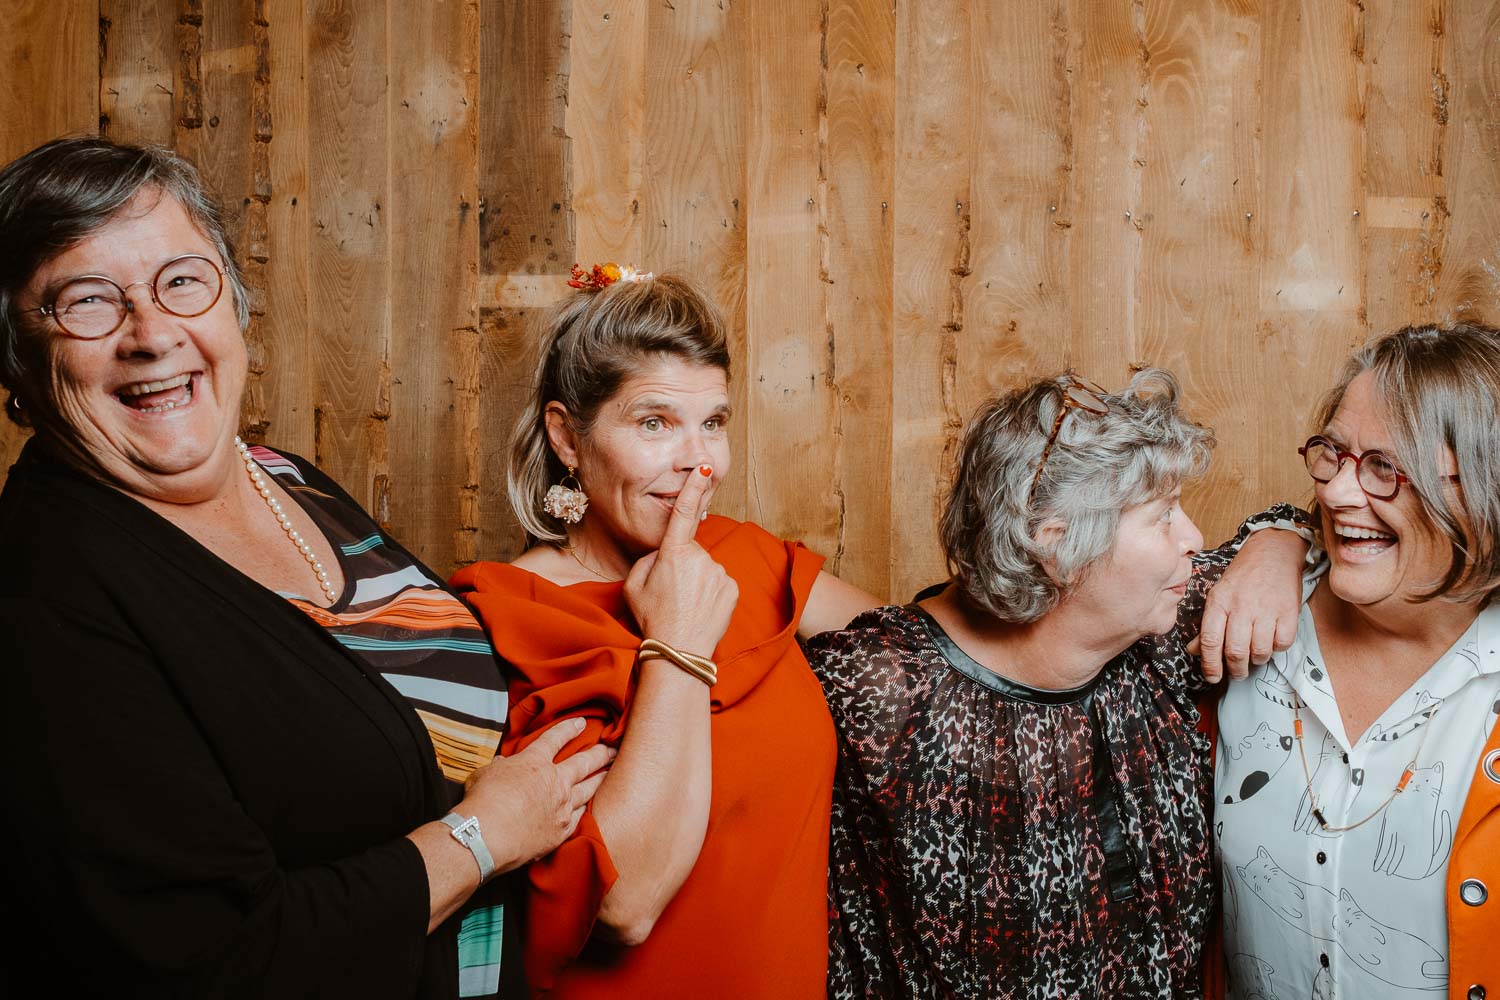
x=1361, y=912
x=996, y=840
x=428, y=645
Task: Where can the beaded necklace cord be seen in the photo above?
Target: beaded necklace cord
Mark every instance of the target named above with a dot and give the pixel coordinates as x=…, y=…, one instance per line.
x=1406, y=775
x=258, y=480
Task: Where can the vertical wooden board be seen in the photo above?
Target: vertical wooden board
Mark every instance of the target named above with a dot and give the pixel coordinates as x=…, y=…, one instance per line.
x=1307, y=227
x=606, y=117
x=350, y=248
x=220, y=138
x=1015, y=286
x=49, y=72
x=1199, y=283
x=790, y=404
x=1406, y=114
x=1109, y=65
x=934, y=164
x=434, y=350
x=138, y=56
x=287, y=397
x=856, y=236
x=693, y=194
x=526, y=232
x=49, y=86
x=1469, y=282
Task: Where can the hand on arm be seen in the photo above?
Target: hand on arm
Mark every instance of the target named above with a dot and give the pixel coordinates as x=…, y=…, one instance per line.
x=652, y=810
x=832, y=604
x=1252, y=611
x=526, y=805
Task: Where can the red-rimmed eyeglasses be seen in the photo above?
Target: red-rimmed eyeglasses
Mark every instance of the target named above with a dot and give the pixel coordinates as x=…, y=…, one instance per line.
x=1375, y=471
x=92, y=306
x=1078, y=393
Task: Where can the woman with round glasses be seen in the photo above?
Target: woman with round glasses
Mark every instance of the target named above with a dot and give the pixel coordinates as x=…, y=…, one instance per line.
x=1358, y=778
x=250, y=740
x=1020, y=803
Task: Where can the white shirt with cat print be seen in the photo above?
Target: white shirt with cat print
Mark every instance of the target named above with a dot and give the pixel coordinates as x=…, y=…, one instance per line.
x=1359, y=914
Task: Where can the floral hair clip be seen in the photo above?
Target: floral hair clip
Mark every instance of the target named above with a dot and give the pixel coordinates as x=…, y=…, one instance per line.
x=604, y=275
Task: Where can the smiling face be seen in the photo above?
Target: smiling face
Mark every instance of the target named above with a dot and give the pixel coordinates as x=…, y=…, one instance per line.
x=1380, y=551
x=1133, y=589
x=154, y=406
x=663, y=422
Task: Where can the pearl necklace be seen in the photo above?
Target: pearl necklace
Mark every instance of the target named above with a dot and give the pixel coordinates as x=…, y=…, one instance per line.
x=258, y=480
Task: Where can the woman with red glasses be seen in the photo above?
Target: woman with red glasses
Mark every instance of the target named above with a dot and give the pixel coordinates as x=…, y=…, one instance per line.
x=1358, y=776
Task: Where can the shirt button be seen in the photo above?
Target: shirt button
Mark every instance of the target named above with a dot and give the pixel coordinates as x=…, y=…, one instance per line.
x=1322, y=858
x=1473, y=892
x=1476, y=992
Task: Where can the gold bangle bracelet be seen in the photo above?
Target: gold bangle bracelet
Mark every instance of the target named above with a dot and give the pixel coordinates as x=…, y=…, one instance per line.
x=701, y=667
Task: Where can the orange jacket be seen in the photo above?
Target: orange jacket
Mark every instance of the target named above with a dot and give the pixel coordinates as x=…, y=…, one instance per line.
x=1473, y=885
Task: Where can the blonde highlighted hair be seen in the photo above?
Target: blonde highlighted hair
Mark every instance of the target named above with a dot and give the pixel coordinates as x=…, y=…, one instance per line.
x=591, y=344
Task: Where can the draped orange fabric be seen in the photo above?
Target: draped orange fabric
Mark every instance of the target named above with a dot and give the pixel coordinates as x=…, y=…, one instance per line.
x=751, y=919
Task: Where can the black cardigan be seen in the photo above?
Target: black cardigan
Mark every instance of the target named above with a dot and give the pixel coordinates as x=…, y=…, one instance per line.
x=206, y=795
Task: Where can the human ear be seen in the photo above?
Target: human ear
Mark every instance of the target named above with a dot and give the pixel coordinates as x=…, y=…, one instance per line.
x=1047, y=536
x=560, y=433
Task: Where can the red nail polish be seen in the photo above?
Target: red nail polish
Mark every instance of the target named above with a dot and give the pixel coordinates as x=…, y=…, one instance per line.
x=705, y=470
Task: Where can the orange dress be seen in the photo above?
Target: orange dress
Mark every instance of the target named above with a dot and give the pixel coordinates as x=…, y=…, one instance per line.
x=751, y=920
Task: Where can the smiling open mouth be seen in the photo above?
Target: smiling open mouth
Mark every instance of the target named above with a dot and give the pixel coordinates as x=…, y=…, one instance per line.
x=157, y=397
x=1363, y=541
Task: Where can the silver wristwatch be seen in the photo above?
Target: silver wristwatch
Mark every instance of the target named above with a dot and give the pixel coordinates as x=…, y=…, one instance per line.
x=465, y=830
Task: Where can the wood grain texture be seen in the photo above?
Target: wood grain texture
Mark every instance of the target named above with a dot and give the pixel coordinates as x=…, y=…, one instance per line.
x=900, y=208
x=605, y=122
x=349, y=187
x=693, y=193
x=1200, y=255
x=1469, y=283
x=789, y=405
x=434, y=269
x=137, y=51
x=1308, y=227
x=856, y=243
x=285, y=399
x=935, y=116
x=526, y=228
x=1404, y=55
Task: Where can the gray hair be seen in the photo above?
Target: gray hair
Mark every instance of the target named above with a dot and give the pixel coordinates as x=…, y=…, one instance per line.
x=592, y=343
x=61, y=193
x=1439, y=387
x=1102, y=464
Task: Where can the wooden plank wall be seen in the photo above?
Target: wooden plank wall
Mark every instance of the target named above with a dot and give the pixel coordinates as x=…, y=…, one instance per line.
x=899, y=207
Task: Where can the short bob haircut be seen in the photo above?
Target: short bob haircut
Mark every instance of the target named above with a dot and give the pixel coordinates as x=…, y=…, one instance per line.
x=64, y=191
x=1439, y=389
x=592, y=343
x=1102, y=464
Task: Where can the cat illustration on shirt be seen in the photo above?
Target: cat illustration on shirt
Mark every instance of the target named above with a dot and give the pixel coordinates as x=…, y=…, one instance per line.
x=1252, y=978
x=1318, y=676
x=1286, y=896
x=1323, y=984
x=1273, y=686
x=1385, y=952
x=1252, y=761
x=1415, y=834
x=1303, y=819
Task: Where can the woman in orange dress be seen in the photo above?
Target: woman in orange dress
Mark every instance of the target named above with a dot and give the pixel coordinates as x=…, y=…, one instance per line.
x=700, y=869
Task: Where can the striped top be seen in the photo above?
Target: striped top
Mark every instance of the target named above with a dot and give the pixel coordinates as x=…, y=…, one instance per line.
x=427, y=644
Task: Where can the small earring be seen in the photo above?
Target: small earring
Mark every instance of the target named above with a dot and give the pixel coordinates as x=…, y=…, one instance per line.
x=564, y=502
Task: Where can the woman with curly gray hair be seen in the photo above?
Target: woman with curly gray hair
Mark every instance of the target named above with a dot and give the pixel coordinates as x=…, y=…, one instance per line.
x=1020, y=801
